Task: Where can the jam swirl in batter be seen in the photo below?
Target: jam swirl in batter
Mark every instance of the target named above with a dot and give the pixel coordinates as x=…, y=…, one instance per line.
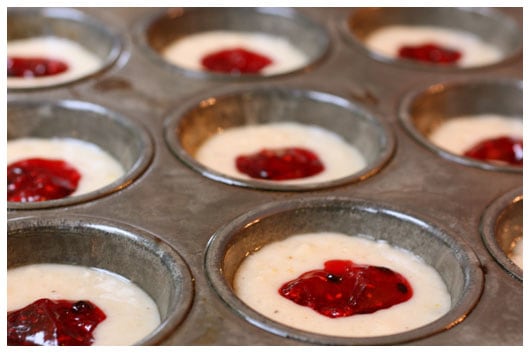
x=34, y=67
x=39, y=179
x=504, y=149
x=343, y=288
x=237, y=60
x=47, y=322
x=280, y=164
x=430, y=52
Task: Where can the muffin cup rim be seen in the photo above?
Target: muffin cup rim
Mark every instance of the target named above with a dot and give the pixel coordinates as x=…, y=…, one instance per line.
x=175, y=115
x=358, y=44
x=139, y=37
x=216, y=247
x=406, y=123
x=488, y=221
x=139, y=167
x=134, y=234
x=75, y=15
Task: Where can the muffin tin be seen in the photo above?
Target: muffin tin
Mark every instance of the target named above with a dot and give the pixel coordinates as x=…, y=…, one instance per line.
x=491, y=26
x=201, y=225
x=160, y=30
x=127, y=141
x=502, y=224
x=454, y=260
x=154, y=266
x=191, y=124
x=424, y=110
x=74, y=25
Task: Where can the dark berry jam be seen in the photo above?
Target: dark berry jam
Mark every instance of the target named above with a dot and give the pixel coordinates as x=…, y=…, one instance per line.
x=431, y=53
x=235, y=61
x=344, y=288
x=38, y=179
x=280, y=164
x=34, y=67
x=47, y=322
x=501, y=149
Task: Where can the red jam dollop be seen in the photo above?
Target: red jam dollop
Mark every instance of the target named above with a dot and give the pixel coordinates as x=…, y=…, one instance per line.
x=344, y=288
x=38, y=179
x=34, y=67
x=503, y=149
x=430, y=52
x=280, y=164
x=47, y=322
x=235, y=61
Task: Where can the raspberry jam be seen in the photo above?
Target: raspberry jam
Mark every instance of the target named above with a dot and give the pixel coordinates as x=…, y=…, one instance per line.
x=38, y=179
x=280, y=164
x=47, y=322
x=430, y=52
x=503, y=149
x=34, y=67
x=237, y=60
x=344, y=288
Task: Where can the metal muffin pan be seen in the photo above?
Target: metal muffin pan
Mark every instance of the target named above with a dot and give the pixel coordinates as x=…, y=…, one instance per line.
x=183, y=208
x=100, y=39
x=452, y=258
x=159, y=31
x=489, y=25
x=151, y=264
x=502, y=224
x=425, y=109
x=127, y=141
x=189, y=127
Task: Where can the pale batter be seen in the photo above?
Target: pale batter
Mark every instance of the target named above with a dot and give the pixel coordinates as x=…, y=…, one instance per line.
x=131, y=313
x=459, y=134
x=475, y=52
x=262, y=273
x=189, y=51
x=80, y=61
x=340, y=159
x=97, y=167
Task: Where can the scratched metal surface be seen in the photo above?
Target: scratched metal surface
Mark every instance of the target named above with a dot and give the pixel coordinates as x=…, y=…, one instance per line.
x=184, y=208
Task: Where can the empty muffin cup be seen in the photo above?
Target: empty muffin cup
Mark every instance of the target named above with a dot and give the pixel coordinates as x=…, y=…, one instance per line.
x=248, y=234
x=288, y=39
x=120, y=140
x=86, y=45
x=502, y=231
x=191, y=127
x=438, y=38
x=456, y=119
x=134, y=254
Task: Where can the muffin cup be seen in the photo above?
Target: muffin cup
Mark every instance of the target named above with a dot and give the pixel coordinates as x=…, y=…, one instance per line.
x=451, y=257
x=137, y=255
x=125, y=140
x=187, y=127
x=489, y=25
x=65, y=23
x=423, y=110
x=158, y=31
x=501, y=223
